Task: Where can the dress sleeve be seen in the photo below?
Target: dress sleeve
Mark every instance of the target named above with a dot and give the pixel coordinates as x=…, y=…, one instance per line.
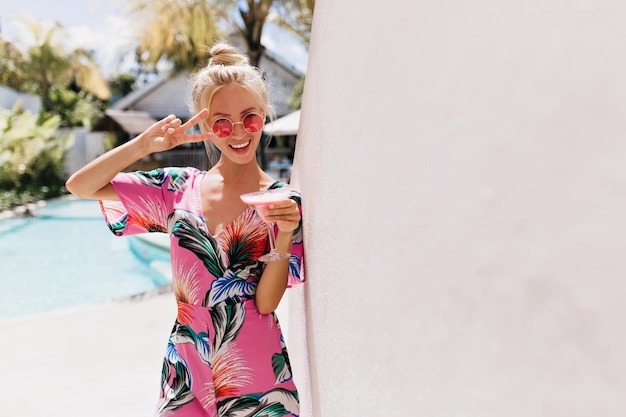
x=145, y=201
x=296, y=262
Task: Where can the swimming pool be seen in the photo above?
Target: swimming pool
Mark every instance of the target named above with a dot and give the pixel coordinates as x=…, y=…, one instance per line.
x=66, y=256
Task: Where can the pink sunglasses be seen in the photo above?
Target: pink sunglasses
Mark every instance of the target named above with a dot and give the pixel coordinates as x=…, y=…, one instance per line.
x=224, y=127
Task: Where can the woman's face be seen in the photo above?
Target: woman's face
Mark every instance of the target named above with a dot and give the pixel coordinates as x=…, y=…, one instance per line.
x=236, y=104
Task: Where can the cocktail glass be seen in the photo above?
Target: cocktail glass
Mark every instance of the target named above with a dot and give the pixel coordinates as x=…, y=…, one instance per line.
x=261, y=200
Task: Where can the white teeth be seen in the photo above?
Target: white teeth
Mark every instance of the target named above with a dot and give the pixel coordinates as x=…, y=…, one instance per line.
x=243, y=145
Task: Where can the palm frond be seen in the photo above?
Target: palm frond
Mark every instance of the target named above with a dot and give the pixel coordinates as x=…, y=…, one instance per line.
x=230, y=372
x=275, y=403
x=148, y=213
x=229, y=287
x=227, y=322
x=244, y=239
x=185, y=284
x=175, y=383
x=185, y=334
x=192, y=235
x=89, y=78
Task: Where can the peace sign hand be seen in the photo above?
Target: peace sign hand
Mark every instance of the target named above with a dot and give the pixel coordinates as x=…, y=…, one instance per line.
x=171, y=132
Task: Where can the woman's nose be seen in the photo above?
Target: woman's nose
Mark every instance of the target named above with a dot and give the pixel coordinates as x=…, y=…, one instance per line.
x=241, y=132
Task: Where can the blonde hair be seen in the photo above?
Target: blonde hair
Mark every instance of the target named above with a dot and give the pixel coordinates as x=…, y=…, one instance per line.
x=227, y=66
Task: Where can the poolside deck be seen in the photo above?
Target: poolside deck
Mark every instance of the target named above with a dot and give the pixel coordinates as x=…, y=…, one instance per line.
x=100, y=360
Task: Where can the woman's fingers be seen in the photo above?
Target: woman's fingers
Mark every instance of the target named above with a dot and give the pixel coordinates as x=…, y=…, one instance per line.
x=284, y=211
x=202, y=114
x=198, y=138
x=170, y=131
x=286, y=204
x=166, y=121
x=172, y=125
x=168, y=118
x=176, y=130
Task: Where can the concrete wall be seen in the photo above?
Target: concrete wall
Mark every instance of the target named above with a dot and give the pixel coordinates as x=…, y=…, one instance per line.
x=463, y=171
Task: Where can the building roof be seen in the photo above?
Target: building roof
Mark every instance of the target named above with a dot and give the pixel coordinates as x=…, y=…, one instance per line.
x=286, y=65
x=287, y=125
x=170, y=94
x=130, y=99
x=130, y=121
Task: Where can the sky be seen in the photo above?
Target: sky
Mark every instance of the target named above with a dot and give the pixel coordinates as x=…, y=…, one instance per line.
x=100, y=25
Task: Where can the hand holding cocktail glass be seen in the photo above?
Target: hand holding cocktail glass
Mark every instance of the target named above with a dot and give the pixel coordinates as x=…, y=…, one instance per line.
x=274, y=207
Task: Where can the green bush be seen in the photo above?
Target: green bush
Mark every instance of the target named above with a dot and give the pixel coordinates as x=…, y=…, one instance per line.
x=31, y=157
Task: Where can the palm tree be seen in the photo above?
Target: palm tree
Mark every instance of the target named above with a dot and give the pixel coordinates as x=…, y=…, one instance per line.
x=179, y=31
x=47, y=63
x=10, y=73
x=296, y=16
x=254, y=15
x=67, y=80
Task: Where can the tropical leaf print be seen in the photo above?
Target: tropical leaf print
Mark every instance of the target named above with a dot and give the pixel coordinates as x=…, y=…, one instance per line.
x=252, y=270
x=294, y=267
x=231, y=373
x=276, y=184
x=118, y=226
x=187, y=228
x=207, y=398
x=297, y=234
x=185, y=334
x=244, y=239
x=147, y=213
x=230, y=287
x=230, y=370
x=185, y=283
x=155, y=178
x=173, y=358
x=115, y=215
x=227, y=321
x=185, y=286
x=185, y=312
x=280, y=363
x=175, y=383
x=275, y=403
x=178, y=178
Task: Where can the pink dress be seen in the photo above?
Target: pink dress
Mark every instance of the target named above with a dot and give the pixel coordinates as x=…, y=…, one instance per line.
x=223, y=358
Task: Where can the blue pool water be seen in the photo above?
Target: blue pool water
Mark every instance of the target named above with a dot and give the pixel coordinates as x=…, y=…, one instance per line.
x=66, y=256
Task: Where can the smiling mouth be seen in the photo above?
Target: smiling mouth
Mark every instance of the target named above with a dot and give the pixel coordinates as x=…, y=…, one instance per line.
x=240, y=146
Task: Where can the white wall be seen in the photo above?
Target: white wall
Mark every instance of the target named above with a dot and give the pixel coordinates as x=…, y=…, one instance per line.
x=9, y=97
x=463, y=171
x=87, y=147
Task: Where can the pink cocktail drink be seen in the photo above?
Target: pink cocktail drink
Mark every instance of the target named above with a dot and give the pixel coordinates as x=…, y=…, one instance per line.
x=261, y=200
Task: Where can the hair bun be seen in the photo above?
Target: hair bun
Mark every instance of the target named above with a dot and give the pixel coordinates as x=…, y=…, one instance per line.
x=224, y=54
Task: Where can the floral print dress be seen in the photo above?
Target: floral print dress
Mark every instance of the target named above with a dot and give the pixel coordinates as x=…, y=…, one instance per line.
x=223, y=358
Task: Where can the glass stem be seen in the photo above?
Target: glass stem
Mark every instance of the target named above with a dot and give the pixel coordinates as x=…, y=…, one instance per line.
x=271, y=237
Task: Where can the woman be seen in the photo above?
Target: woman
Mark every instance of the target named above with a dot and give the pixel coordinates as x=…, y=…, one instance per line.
x=226, y=354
